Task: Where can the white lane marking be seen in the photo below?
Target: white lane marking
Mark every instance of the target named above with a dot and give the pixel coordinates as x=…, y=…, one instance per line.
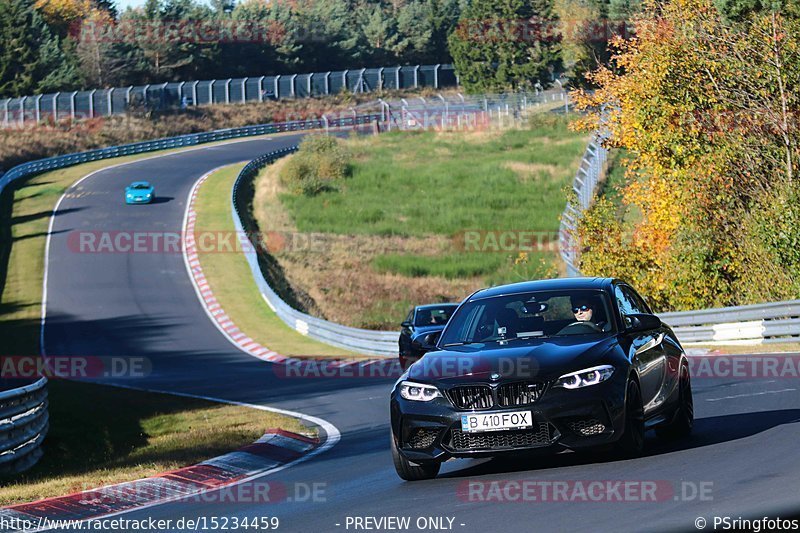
x=42, y=351
x=749, y=394
x=332, y=436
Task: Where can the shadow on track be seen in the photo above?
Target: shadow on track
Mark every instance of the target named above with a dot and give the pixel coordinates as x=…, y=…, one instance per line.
x=707, y=432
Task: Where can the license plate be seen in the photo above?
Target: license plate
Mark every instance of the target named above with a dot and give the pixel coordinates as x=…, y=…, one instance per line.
x=496, y=421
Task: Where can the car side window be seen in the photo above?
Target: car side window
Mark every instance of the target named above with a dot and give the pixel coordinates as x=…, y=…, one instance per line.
x=626, y=301
x=626, y=306
x=640, y=303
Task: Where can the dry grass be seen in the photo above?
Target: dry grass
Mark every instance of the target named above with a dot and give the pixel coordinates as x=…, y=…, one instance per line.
x=344, y=287
x=530, y=172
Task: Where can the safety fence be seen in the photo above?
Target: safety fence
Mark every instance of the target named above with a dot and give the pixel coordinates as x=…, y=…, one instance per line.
x=16, y=112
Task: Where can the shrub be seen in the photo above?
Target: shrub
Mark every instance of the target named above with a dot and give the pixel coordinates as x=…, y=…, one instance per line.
x=321, y=164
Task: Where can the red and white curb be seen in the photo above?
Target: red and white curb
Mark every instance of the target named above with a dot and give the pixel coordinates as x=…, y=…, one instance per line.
x=224, y=323
x=275, y=450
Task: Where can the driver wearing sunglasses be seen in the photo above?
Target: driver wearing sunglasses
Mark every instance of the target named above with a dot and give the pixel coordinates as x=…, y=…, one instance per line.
x=585, y=311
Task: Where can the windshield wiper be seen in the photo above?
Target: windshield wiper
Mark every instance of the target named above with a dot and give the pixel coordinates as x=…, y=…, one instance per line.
x=462, y=343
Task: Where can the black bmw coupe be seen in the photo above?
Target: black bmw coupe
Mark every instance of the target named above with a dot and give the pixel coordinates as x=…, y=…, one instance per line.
x=551, y=365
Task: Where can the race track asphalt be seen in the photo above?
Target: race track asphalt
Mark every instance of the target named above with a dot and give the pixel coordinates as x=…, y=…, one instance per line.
x=744, y=449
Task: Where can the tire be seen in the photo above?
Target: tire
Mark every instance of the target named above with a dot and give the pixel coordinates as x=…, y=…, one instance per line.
x=632, y=442
x=683, y=421
x=410, y=471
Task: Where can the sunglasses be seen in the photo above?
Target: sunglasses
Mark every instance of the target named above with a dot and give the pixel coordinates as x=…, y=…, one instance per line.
x=581, y=308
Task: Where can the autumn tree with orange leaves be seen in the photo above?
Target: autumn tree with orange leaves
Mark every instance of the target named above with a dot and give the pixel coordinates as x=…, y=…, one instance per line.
x=706, y=107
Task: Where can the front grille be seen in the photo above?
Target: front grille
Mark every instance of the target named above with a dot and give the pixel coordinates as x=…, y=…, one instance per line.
x=423, y=438
x=541, y=435
x=477, y=397
x=523, y=393
x=587, y=427
x=471, y=397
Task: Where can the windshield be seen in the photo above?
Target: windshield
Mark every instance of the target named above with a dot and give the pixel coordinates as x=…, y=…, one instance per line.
x=434, y=316
x=530, y=315
x=140, y=186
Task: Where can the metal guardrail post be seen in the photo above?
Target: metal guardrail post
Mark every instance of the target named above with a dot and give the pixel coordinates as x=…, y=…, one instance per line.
x=277, y=87
x=244, y=90
x=380, y=79
x=110, y=102
x=292, y=87
x=22, y=110
x=128, y=96
x=37, y=106
x=416, y=77
x=194, y=93
x=344, y=80
x=261, y=88
x=228, y=91
x=72, y=104
x=436, y=76
x=91, y=103
x=328, y=82
x=55, y=106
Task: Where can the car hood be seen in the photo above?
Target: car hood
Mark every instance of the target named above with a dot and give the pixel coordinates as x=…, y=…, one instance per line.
x=536, y=359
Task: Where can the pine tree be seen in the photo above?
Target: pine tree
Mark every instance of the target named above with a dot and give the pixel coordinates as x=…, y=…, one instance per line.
x=31, y=58
x=506, y=45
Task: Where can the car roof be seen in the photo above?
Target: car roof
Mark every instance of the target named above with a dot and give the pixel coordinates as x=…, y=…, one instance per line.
x=436, y=306
x=543, y=285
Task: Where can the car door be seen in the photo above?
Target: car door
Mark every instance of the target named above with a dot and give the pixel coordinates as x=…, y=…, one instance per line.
x=646, y=347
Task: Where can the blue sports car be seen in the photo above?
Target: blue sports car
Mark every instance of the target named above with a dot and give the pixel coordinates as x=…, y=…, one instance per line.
x=139, y=192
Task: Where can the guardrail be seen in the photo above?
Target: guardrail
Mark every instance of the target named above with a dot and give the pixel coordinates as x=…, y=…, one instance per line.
x=23, y=425
x=747, y=324
x=379, y=343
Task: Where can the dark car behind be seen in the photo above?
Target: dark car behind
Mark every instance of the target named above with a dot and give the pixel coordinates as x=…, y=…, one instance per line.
x=419, y=329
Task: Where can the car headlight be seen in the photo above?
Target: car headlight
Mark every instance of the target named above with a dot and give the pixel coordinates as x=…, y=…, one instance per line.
x=584, y=378
x=418, y=392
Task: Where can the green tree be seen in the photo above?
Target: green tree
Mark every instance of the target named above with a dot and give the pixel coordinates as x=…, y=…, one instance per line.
x=31, y=57
x=506, y=44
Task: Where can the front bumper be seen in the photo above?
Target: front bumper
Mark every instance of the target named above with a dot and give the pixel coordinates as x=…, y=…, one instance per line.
x=562, y=419
x=138, y=200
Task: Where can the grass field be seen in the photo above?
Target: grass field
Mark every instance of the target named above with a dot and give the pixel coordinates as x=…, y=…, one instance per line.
x=230, y=277
x=393, y=234
x=102, y=435
x=418, y=183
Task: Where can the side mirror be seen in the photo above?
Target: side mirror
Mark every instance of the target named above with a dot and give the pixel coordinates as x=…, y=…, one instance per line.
x=641, y=322
x=405, y=324
x=427, y=342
